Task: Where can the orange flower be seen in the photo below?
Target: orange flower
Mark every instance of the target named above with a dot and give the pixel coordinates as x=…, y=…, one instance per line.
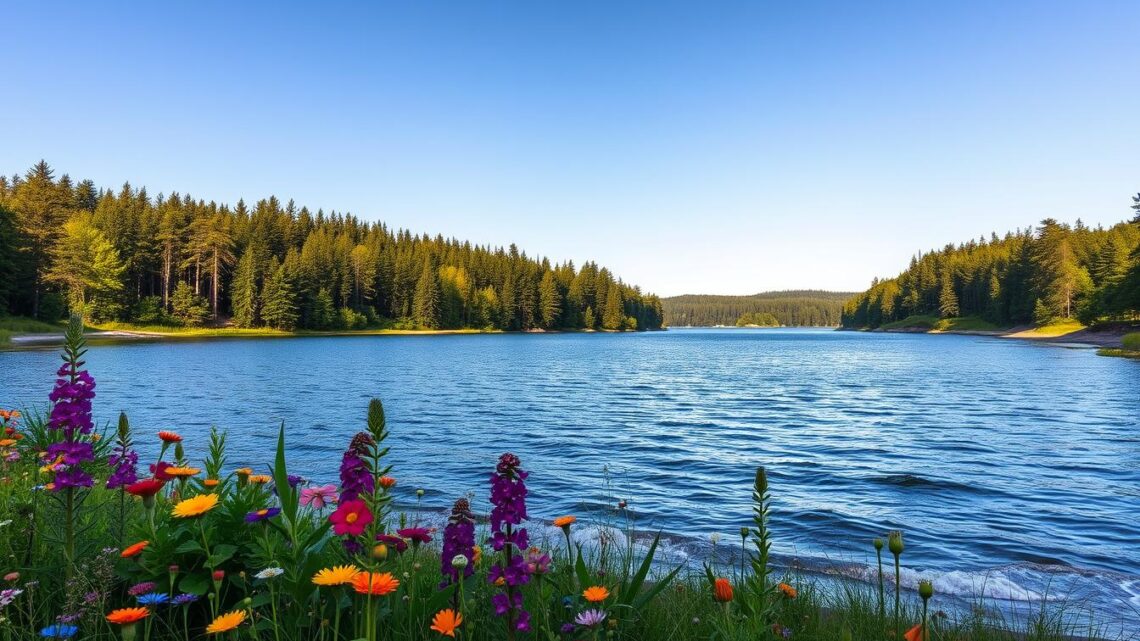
x=476, y=554
x=914, y=634
x=127, y=616
x=375, y=584
x=182, y=472
x=788, y=590
x=169, y=437
x=596, y=594
x=243, y=471
x=259, y=479
x=445, y=622
x=564, y=521
x=134, y=550
x=7, y=442
x=210, y=482
x=387, y=482
x=722, y=590
x=226, y=622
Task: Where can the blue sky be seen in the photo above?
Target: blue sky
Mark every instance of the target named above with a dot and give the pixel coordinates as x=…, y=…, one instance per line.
x=692, y=147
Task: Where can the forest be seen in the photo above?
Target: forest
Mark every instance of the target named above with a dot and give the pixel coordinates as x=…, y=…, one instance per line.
x=1040, y=275
x=806, y=308
x=70, y=247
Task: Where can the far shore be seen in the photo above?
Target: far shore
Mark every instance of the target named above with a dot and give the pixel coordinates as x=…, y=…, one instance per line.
x=1070, y=335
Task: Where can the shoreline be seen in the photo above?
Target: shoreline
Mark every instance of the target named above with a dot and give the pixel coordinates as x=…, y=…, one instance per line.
x=1083, y=336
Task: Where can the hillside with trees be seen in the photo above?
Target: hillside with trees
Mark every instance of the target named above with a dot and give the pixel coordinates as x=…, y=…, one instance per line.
x=798, y=308
x=1039, y=275
x=174, y=259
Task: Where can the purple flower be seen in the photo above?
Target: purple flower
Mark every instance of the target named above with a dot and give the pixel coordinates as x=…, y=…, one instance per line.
x=263, y=514
x=508, y=496
x=355, y=476
x=567, y=628
x=123, y=462
x=184, y=599
x=537, y=562
x=590, y=618
x=70, y=418
x=140, y=589
x=458, y=539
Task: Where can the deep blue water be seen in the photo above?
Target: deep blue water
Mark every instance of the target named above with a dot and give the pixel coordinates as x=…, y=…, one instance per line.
x=1013, y=467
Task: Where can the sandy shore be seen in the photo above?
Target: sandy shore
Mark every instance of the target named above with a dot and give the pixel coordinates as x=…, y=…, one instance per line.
x=1112, y=338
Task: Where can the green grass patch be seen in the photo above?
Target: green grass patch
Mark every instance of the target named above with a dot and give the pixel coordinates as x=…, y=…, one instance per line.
x=25, y=325
x=965, y=324
x=1058, y=328
x=1132, y=341
x=912, y=322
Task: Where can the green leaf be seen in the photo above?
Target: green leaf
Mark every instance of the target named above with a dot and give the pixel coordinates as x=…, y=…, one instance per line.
x=194, y=584
x=630, y=593
x=580, y=569
x=188, y=547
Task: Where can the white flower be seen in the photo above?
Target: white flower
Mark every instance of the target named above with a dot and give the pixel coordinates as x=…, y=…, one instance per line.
x=269, y=573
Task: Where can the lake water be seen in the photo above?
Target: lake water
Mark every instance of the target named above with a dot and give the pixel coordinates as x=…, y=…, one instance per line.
x=1013, y=467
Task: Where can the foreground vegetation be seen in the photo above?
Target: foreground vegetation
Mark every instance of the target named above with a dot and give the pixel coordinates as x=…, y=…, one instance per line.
x=111, y=547
x=808, y=308
x=175, y=260
x=1054, y=273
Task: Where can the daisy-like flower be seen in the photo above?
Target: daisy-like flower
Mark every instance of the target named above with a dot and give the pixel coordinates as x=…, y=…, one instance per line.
x=210, y=483
x=337, y=575
x=565, y=522
x=269, y=573
x=260, y=479
x=318, y=497
x=446, y=621
x=145, y=488
x=169, y=437
x=264, y=514
x=387, y=482
x=788, y=590
x=375, y=584
x=134, y=550
x=59, y=631
x=226, y=622
x=8, y=595
x=397, y=542
x=195, y=506
x=350, y=518
x=153, y=598
x=184, y=599
x=416, y=535
x=127, y=616
x=596, y=594
x=590, y=618
x=183, y=472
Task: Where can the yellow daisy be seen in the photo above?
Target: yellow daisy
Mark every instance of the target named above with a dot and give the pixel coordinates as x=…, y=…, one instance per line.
x=260, y=478
x=195, y=506
x=337, y=575
x=226, y=622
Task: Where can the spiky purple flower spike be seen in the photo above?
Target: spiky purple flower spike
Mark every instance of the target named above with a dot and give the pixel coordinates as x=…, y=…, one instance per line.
x=508, y=495
x=458, y=540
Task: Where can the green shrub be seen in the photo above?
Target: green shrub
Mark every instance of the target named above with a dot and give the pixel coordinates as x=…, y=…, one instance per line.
x=1132, y=341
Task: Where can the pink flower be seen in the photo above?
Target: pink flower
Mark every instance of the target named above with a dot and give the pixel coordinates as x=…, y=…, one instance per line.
x=318, y=497
x=350, y=518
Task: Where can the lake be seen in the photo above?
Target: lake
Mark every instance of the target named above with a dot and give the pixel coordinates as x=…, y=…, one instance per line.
x=1012, y=467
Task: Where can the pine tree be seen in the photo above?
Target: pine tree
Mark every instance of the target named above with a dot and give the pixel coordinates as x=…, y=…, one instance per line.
x=279, y=301
x=86, y=263
x=426, y=300
x=244, y=291
x=614, y=316
x=947, y=299
x=549, y=301
x=188, y=307
x=41, y=208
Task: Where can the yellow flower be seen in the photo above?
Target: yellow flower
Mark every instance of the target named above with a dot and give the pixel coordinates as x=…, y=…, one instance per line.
x=181, y=472
x=260, y=478
x=196, y=506
x=336, y=575
x=596, y=594
x=226, y=622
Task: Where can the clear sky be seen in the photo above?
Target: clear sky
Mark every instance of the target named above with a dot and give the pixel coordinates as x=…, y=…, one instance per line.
x=693, y=147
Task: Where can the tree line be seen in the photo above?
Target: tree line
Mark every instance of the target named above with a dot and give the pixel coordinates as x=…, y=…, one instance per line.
x=800, y=308
x=173, y=259
x=1037, y=275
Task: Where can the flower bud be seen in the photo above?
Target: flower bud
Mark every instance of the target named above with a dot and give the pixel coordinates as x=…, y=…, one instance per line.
x=459, y=561
x=420, y=493
x=173, y=569
x=895, y=542
x=925, y=589
x=878, y=543
x=218, y=575
x=247, y=602
x=380, y=551
x=744, y=532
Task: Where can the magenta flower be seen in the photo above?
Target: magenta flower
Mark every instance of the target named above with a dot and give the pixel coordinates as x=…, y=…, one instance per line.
x=140, y=589
x=318, y=497
x=350, y=518
x=416, y=535
x=397, y=542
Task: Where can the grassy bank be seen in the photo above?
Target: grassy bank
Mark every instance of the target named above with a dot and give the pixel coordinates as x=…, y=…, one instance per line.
x=11, y=326
x=936, y=324
x=1129, y=347
x=109, y=547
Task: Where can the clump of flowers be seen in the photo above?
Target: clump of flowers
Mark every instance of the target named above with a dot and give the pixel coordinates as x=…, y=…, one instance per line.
x=123, y=460
x=458, y=540
x=508, y=495
x=70, y=420
x=355, y=475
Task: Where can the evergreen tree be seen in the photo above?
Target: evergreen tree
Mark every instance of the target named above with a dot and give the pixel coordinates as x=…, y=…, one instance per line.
x=426, y=301
x=947, y=299
x=41, y=208
x=244, y=291
x=549, y=301
x=89, y=267
x=279, y=301
x=613, y=316
x=186, y=306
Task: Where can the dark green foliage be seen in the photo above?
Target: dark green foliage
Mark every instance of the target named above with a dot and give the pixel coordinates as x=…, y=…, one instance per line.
x=284, y=266
x=1037, y=276
x=808, y=308
x=757, y=319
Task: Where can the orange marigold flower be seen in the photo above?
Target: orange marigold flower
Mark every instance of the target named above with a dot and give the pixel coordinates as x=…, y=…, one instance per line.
x=788, y=590
x=564, y=521
x=226, y=622
x=375, y=583
x=127, y=616
x=182, y=472
x=134, y=550
x=243, y=471
x=169, y=437
x=387, y=482
x=210, y=482
x=722, y=590
x=259, y=479
x=914, y=634
x=445, y=622
x=596, y=594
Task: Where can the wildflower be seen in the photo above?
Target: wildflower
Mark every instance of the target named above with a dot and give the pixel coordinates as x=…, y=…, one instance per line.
x=397, y=542
x=925, y=589
x=565, y=522
x=590, y=618
x=12, y=577
x=537, y=562
x=270, y=573
x=458, y=542
x=153, y=598
x=263, y=514
x=416, y=535
x=145, y=488
x=211, y=483
x=59, y=631
x=446, y=621
x=722, y=590
x=243, y=472
x=387, y=482
x=567, y=628
x=183, y=472
x=8, y=595
x=459, y=562
x=350, y=518
x=260, y=479
x=318, y=497
x=140, y=589
x=218, y=575
x=336, y=575
x=355, y=475
x=7, y=442
x=158, y=470
x=195, y=506
x=596, y=594
x=476, y=554
x=895, y=542
x=127, y=616
x=169, y=437
x=508, y=495
x=915, y=634
x=788, y=590
x=134, y=549
x=226, y=622
x=375, y=584
x=123, y=462
x=184, y=599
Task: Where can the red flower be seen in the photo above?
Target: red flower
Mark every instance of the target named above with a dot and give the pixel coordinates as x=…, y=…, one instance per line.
x=169, y=437
x=145, y=487
x=350, y=518
x=159, y=471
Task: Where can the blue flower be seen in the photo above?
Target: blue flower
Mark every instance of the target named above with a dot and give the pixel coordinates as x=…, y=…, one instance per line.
x=153, y=598
x=59, y=631
x=184, y=599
